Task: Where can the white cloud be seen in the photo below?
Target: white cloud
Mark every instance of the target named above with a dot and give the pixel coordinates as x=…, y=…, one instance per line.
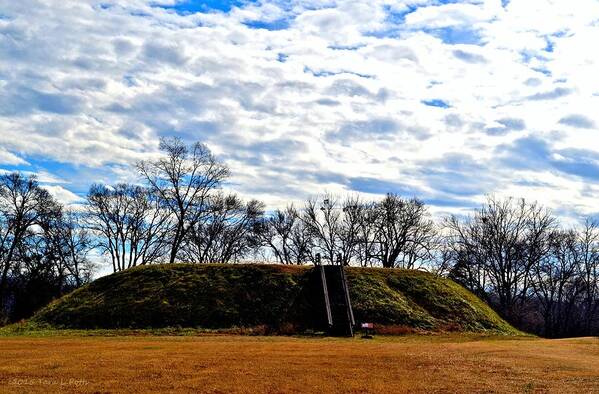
x=331, y=99
x=63, y=195
x=455, y=14
x=9, y=158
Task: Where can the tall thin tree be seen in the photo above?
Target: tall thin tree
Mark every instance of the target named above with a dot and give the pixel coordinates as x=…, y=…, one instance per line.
x=183, y=178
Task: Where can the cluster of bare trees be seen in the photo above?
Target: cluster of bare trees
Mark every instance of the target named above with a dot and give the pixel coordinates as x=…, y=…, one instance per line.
x=179, y=215
x=511, y=253
x=182, y=215
x=393, y=232
x=43, y=247
x=536, y=274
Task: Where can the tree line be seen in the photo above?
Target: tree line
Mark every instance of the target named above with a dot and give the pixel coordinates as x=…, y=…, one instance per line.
x=512, y=253
x=43, y=247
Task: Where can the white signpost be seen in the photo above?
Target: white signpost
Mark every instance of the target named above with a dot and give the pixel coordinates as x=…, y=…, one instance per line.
x=368, y=327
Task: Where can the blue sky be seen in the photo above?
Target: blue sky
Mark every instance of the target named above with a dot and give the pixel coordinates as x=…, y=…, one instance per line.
x=187, y=7
x=445, y=100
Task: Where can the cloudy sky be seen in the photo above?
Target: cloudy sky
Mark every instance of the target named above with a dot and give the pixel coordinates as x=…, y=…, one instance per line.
x=444, y=100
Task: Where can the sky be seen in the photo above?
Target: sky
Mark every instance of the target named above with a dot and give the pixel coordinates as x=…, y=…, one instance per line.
x=448, y=101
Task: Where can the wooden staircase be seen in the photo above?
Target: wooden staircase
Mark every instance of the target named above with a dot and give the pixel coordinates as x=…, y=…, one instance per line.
x=338, y=312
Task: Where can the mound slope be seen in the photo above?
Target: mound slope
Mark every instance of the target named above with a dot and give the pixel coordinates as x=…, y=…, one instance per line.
x=274, y=296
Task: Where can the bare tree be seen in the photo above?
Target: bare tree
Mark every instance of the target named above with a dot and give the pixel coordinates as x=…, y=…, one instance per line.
x=404, y=233
x=367, y=246
x=301, y=244
x=131, y=225
x=496, y=249
x=588, y=239
x=334, y=227
x=555, y=282
x=23, y=205
x=352, y=219
x=284, y=234
x=227, y=233
x=65, y=244
x=183, y=179
x=442, y=255
x=73, y=243
x=33, y=242
x=321, y=220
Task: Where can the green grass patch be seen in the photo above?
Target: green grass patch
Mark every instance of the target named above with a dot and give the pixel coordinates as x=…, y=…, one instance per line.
x=260, y=299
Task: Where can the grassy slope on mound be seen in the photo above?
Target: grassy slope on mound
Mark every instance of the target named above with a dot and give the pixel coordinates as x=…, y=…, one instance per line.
x=222, y=296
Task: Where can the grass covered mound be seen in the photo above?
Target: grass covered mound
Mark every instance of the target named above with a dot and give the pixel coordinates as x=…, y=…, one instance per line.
x=275, y=297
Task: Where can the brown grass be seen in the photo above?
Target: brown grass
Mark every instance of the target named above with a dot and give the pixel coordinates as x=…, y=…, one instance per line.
x=394, y=330
x=446, y=363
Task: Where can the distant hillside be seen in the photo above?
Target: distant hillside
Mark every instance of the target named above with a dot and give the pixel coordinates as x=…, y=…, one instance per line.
x=273, y=296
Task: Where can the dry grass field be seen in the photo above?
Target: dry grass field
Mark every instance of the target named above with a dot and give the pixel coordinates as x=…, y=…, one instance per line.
x=452, y=363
